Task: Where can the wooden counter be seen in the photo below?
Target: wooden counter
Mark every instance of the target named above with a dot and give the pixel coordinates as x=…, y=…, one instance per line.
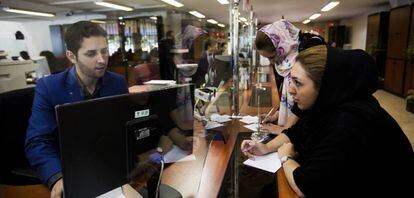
x=208, y=183
x=202, y=177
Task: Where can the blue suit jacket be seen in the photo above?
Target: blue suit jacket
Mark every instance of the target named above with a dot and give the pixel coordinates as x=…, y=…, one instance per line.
x=41, y=145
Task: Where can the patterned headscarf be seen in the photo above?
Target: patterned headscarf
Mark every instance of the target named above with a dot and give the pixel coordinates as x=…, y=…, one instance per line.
x=285, y=39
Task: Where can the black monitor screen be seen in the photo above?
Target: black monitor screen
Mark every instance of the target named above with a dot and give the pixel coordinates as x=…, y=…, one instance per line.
x=221, y=64
x=103, y=140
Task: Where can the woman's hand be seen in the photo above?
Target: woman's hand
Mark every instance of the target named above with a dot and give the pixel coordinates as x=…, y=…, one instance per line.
x=272, y=128
x=270, y=118
x=287, y=149
x=251, y=148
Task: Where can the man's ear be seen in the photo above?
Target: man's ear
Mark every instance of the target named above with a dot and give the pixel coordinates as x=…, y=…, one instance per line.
x=71, y=56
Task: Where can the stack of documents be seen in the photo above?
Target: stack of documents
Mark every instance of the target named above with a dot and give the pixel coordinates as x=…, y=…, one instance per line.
x=219, y=118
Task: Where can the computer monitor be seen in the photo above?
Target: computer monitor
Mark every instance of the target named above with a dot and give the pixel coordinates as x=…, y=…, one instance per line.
x=101, y=140
x=222, y=66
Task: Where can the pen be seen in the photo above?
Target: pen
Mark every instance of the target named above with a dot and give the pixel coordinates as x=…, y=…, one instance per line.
x=267, y=115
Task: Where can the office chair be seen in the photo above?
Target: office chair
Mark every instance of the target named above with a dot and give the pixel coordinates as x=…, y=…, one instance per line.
x=15, y=111
x=146, y=72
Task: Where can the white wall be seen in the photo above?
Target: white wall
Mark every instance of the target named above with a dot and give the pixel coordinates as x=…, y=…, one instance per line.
x=358, y=30
x=34, y=40
x=40, y=37
x=358, y=27
x=37, y=34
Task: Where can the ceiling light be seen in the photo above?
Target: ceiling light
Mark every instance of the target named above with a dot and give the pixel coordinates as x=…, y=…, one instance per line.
x=212, y=21
x=173, y=3
x=98, y=21
x=329, y=6
x=314, y=16
x=221, y=25
x=197, y=14
x=306, y=21
x=70, y=2
x=19, y=11
x=153, y=18
x=223, y=2
x=114, y=6
x=243, y=19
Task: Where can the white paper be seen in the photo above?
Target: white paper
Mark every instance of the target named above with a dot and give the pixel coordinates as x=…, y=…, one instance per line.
x=126, y=191
x=116, y=193
x=252, y=127
x=250, y=119
x=212, y=125
x=269, y=162
x=160, y=82
x=219, y=118
x=176, y=154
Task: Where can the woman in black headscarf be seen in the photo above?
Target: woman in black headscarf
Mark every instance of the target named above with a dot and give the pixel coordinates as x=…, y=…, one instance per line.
x=345, y=145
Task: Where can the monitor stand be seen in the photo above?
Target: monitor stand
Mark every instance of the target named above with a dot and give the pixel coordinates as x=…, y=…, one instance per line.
x=165, y=192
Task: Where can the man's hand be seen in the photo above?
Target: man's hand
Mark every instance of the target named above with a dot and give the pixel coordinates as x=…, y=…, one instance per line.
x=57, y=189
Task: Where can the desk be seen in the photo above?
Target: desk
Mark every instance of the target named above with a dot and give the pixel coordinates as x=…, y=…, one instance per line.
x=203, y=177
x=217, y=156
x=30, y=191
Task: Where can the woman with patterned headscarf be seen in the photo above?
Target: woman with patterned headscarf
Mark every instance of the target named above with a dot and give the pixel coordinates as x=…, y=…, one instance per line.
x=281, y=42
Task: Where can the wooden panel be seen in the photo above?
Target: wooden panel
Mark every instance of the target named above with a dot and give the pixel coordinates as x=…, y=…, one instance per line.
x=398, y=32
x=409, y=72
x=389, y=75
x=409, y=77
x=377, y=39
x=372, y=32
x=411, y=37
x=394, y=74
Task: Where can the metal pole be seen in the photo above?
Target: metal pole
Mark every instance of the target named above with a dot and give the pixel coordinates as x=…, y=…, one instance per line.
x=234, y=39
x=251, y=29
x=254, y=52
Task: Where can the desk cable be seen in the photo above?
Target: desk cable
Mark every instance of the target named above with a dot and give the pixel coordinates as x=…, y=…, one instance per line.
x=159, y=150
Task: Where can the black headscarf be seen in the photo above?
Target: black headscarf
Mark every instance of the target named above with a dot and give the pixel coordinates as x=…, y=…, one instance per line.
x=350, y=75
x=349, y=80
x=346, y=136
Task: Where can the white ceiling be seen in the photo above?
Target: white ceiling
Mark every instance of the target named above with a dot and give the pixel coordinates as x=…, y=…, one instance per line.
x=266, y=10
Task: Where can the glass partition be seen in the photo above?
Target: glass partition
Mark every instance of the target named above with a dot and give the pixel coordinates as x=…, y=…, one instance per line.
x=168, y=44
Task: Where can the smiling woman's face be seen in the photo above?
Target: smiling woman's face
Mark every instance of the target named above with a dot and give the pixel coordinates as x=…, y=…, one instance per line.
x=302, y=87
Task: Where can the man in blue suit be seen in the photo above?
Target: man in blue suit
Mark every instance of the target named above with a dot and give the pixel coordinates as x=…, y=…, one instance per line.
x=87, y=49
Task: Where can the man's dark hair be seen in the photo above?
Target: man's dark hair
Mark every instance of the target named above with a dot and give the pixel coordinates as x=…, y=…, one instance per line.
x=79, y=30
